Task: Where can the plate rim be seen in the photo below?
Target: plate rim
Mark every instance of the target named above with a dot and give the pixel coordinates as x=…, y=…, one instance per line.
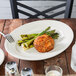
x=3, y=56
x=46, y=57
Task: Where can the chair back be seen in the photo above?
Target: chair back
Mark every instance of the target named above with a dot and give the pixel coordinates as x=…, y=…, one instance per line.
x=67, y=11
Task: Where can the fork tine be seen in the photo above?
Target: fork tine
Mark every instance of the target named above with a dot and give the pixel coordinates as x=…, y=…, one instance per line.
x=10, y=38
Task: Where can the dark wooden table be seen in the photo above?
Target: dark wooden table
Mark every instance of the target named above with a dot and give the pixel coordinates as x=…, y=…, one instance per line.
x=62, y=60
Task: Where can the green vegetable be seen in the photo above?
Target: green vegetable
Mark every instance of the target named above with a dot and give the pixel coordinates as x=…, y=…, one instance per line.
x=24, y=46
x=50, y=32
x=31, y=46
x=28, y=35
x=23, y=35
x=27, y=39
x=31, y=41
x=43, y=32
x=55, y=36
x=21, y=41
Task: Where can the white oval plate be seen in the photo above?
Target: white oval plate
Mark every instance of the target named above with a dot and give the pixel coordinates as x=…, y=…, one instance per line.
x=1, y=56
x=65, y=32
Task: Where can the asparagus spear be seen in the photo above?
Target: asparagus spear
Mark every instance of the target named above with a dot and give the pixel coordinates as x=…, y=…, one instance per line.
x=55, y=35
x=21, y=41
x=43, y=32
x=50, y=32
x=24, y=35
x=31, y=41
x=28, y=35
x=27, y=39
x=24, y=46
x=31, y=46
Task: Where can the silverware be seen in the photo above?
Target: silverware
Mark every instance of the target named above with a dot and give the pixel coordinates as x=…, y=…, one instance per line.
x=8, y=37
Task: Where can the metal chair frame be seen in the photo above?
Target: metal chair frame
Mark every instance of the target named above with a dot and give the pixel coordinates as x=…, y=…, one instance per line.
x=15, y=10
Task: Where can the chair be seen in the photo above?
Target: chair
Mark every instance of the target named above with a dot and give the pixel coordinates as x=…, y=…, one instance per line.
x=15, y=10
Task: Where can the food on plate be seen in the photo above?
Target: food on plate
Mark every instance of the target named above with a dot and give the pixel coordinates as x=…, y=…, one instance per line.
x=44, y=43
x=27, y=40
x=47, y=37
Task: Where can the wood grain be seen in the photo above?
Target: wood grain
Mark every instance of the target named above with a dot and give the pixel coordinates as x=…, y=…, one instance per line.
x=59, y=60
x=1, y=29
x=2, y=22
x=5, y=31
x=37, y=66
x=63, y=60
x=10, y=25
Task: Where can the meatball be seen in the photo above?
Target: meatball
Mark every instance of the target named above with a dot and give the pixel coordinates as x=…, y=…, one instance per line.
x=44, y=43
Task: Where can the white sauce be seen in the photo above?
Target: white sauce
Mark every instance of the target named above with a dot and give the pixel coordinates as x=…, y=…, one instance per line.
x=53, y=73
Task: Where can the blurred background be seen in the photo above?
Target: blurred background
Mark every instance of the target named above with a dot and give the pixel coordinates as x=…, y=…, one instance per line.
x=5, y=8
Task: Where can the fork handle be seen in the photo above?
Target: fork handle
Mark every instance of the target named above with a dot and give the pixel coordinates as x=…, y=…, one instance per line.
x=2, y=34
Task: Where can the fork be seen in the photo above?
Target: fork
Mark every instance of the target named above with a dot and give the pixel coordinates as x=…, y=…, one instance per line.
x=8, y=37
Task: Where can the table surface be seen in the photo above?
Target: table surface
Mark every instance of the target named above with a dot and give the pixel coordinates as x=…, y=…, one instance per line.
x=62, y=60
